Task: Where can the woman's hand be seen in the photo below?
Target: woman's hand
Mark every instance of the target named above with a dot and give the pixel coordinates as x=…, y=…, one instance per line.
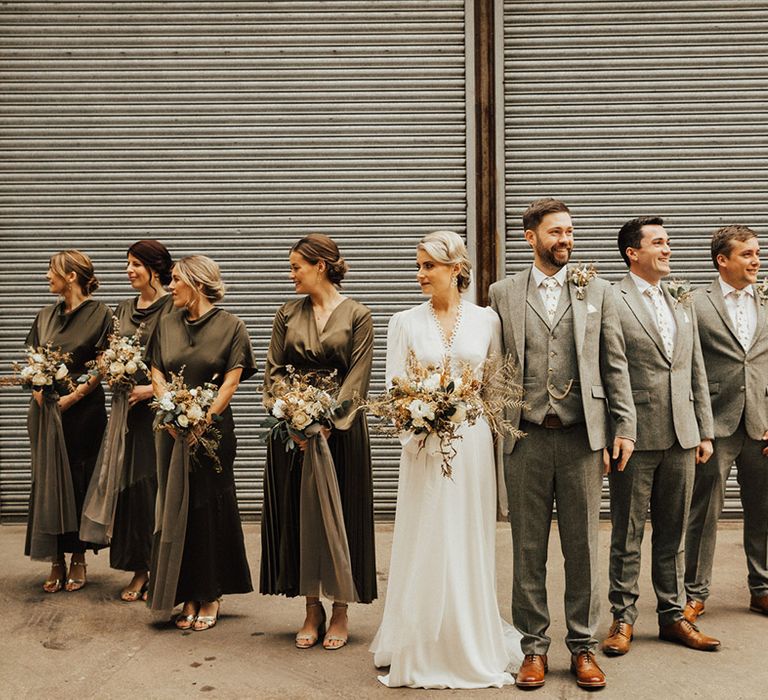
x=66, y=402
x=38, y=397
x=139, y=393
x=326, y=432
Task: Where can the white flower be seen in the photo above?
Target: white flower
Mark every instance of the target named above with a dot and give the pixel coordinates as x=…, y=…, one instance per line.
x=457, y=384
x=27, y=372
x=278, y=410
x=182, y=420
x=301, y=420
x=166, y=402
x=432, y=382
x=39, y=379
x=460, y=414
x=62, y=371
x=131, y=367
x=418, y=422
x=195, y=413
x=421, y=410
x=38, y=358
x=116, y=368
x=193, y=392
x=110, y=354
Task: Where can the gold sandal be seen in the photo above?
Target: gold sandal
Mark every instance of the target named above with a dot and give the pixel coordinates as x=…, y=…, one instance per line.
x=307, y=641
x=333, y=637
x=76, y=584
x=185, y=622
x=54, y=585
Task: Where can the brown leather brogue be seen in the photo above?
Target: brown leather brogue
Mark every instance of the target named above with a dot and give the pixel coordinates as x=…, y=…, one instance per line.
x=532, y=670
x=759, y=604
x=687, y=634
x=588, y=673
x=693, y=610
x=619, y=639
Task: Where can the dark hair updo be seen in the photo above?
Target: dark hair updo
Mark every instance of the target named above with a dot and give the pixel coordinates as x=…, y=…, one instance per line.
x=155, y=257
x=316, y=247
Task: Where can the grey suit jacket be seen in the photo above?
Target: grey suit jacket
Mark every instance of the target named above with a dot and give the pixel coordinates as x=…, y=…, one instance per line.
x=603, y=374
x=671, y=397
x=738, y=379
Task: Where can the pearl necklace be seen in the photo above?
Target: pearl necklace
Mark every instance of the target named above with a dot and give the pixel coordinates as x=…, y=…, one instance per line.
x=447, y=342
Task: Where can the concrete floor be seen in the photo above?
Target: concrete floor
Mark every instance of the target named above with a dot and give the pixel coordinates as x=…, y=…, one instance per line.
x=91, y=645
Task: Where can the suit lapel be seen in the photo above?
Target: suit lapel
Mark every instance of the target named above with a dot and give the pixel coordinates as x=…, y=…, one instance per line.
x=579, y=307
x=680, y=315
x=715, y=296
x=518, y=290
x=535, y=301
x=634, y=300
x=562, y=305
x=761, y=318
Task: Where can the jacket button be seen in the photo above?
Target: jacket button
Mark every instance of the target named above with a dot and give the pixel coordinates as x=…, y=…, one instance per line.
x=742, y=388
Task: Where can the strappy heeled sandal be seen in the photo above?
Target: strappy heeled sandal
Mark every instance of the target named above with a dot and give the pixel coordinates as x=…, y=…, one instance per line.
x=329, y=639
x=307, y=641
x=207, y=621
x=76, y=584
x=185, y=622
x=129, y=596
x=54, y=585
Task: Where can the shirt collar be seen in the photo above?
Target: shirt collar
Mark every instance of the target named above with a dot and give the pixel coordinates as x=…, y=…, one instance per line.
x=641, y=284
x=559, y=276
x=727, y=288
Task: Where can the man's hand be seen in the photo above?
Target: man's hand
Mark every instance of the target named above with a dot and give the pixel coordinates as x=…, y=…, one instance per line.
x=622, y=448
x=704, y=451
x=765, y=439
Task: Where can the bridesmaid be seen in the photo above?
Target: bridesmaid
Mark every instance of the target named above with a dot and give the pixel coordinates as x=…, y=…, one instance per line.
x=79, y=325
x=149, y=271
x=320, y=331
x=208, y=559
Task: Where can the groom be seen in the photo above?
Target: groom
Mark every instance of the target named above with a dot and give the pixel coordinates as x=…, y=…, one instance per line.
x=562, y=328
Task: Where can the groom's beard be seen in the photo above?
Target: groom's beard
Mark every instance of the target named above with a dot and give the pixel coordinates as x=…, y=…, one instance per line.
x=556, y=256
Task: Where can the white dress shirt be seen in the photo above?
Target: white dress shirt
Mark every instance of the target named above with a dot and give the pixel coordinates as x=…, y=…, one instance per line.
x=750, y=306
x=642, y=285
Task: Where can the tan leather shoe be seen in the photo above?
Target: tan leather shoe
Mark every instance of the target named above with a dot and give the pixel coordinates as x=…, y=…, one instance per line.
x=532, y=670
x=619, y=639
x=687, y=634
x=693, y=610
x=759, y=604
x=586, y=670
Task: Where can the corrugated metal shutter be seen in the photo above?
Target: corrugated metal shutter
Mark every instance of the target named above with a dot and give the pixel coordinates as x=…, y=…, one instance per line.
x=629, y=108
x=228, y=128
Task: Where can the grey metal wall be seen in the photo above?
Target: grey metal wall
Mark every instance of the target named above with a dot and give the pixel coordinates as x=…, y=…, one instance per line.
x=629, y=108
x=231, y=129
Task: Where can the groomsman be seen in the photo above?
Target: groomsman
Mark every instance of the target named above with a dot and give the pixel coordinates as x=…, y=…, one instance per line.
x=561, y=326
x=733, y=325
x=674, y=432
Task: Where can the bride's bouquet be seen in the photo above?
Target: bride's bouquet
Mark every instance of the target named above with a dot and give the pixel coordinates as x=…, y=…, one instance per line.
x=301, y=399
x=183, y=410
x=122, y=361
x=430, y=400
x=45, y=370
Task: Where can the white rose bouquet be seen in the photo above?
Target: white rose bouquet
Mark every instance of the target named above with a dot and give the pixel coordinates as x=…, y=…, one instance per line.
x=299, y=400
x=183, y=410
x=431, y=401
x=45, y=370
x=122, y=363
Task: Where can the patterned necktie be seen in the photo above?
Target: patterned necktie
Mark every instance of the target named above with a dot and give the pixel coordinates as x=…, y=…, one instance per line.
x=661, y=319
x=742, y=327
x=550, y=296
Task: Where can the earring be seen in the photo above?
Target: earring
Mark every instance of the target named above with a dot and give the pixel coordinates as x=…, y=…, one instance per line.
x=454, y=281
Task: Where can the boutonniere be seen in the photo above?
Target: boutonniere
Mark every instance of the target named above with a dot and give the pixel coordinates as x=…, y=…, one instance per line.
x=680, y=291
x=761, y=290
x=580, y=276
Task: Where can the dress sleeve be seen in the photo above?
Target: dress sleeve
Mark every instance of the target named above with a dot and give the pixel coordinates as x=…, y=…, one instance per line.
x=104, y=330
x=33, y=337
x=397, y=348
x=274, y=369
x=241, y=352
x=152, y=349
x=354, y=388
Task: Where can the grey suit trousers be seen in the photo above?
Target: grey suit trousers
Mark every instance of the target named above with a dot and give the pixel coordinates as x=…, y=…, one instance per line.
x=663, y=480
x=707, y=504
x=549, y=466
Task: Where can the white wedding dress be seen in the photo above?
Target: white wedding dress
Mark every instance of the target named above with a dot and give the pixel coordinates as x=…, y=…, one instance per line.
x=441, y=626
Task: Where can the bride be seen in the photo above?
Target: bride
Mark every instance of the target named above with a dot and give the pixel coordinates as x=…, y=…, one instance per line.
x=441, y=625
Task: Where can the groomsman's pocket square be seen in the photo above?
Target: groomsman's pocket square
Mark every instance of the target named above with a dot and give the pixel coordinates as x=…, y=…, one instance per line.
x=591, y=309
